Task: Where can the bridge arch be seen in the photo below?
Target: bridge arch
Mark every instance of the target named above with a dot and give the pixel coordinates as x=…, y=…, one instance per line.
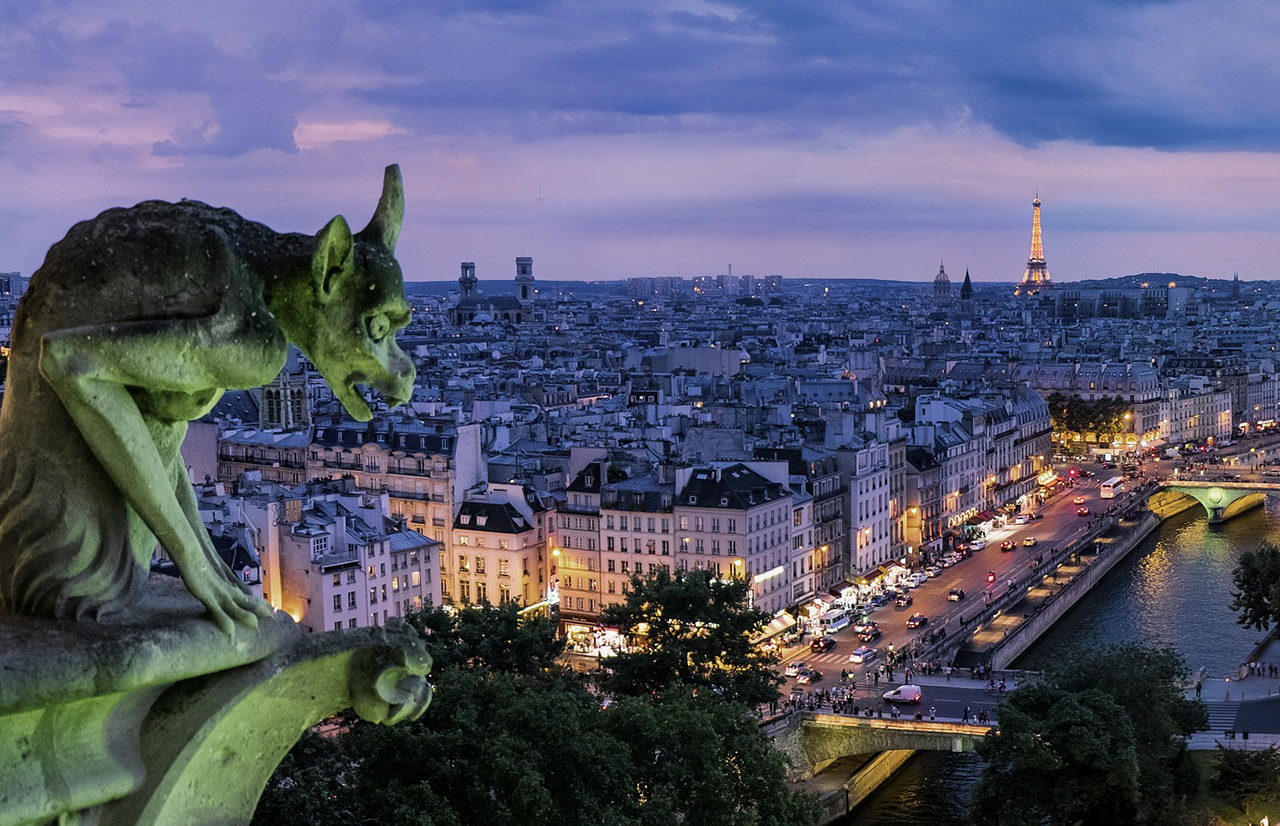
x=1220, y=500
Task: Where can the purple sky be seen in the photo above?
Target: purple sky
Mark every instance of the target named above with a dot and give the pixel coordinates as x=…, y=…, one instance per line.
x=847, y=138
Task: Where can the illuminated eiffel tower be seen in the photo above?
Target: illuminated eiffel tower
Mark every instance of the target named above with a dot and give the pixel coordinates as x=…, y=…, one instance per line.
x=1037, y=277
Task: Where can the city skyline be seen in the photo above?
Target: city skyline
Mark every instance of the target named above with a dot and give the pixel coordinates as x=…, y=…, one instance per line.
x=639, y=140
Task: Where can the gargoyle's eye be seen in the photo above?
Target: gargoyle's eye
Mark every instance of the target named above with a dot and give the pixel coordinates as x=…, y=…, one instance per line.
x=379, y=327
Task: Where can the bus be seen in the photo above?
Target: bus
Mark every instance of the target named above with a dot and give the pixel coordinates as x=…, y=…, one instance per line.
x=1110, y=487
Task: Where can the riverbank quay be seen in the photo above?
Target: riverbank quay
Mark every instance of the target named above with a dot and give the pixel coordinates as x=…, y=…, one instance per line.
x=1015, y=618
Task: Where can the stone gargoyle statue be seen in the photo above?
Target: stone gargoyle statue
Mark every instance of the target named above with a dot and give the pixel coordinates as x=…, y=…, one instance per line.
x=135, y=324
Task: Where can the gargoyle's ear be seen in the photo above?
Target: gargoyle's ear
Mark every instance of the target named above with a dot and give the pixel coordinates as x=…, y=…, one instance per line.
x=332, y=259
x=387, y=218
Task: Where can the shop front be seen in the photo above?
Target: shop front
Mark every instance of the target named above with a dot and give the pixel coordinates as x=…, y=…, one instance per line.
x=775, y=630
x=593, y=639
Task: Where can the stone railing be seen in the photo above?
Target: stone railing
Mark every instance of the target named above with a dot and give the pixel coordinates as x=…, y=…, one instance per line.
x=160, y=718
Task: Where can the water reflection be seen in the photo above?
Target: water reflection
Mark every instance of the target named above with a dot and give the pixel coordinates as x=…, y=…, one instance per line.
x=1174, y=590
x=933, y=787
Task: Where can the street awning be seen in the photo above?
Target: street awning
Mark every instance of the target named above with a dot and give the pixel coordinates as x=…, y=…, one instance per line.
x=869, y=578
x=979, y=518
x=774, y=627
x=892, y=569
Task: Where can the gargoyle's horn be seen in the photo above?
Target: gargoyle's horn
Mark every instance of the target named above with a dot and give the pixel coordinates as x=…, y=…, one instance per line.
x=387, y=218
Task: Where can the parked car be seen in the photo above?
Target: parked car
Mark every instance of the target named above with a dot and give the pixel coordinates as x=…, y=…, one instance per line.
x=1030, y=541
x=1083, y=511
x=916, y=620
x=879, y=599
x=863, y=654
x=1021, y=519
x=955, y=595
x=1079, y=500
x=822, y=644
x=903, y=694
x=903, y=601
x=932, y=571
x=794, y=668
x=1038, y=515
x=1008, y=545
x=977, y=544
x=869, y=635
x=917, y=580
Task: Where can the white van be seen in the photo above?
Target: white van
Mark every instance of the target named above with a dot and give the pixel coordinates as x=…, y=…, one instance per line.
x=904, y=694
x=833, y=621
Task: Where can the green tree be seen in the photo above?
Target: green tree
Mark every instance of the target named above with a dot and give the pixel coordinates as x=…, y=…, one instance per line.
x=1257, y=580
x=1147, y=687
x=1242, y=777
x=494, y=637
x=694, y=629
x=508, y=743
x=1150, y=685
x=1059, y=757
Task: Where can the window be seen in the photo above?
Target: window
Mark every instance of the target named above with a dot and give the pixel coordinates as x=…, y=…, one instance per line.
x=382, y=569
x=715, y=525
x=337, y=579
x=592, y=585
x=337, y=626
x=666, y=547
x=464, y=564
x=319, y=545
x=463, y=540
x=337, y=602
x=384, y=593
x=732, y=525
x=351, y=599
x=482, y=591
x=373, y=594
x=480, y=564
x=612, y=586
x=610, y=564
x=351, y=623
x=416, y=578
x=625, y=566
x=609, y=543
x=351, y=577
x=504, y=567
x=395, y=583
x=480, y=542
x=464, y=591
x=504, y=593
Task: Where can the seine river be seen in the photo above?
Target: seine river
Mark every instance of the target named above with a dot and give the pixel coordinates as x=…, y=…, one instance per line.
x=1173, y=590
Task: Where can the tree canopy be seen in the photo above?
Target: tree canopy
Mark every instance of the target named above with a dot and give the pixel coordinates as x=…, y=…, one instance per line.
x=1043, y=757
x=510, y=740
x=694, y=629
x=1072, y=416
x=1257, y=580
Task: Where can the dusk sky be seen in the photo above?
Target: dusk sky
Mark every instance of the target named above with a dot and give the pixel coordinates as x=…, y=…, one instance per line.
x=667, y=137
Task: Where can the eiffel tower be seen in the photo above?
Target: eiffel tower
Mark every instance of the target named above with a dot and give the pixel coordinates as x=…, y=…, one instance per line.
x=1037, y=277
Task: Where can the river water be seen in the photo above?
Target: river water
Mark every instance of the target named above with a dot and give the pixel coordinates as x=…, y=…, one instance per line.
x=1173, y=590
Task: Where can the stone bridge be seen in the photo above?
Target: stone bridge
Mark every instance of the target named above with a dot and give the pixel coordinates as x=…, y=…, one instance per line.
x=1221, y=499
x=813, y=740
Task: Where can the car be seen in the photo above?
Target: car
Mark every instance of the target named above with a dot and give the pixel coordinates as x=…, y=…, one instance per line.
x=862, y=625
x=1083, y=511
x=794, y=668
x=955, y=595
x=948, y=561
x=1079, y=500
x=977, y=544
x=822, y=644
x=1109, y=465
x=932, y=571
x=903, y=601
x=1088, y=474
x=916, y=620
x=863, y=654
x=1021, y=519
x=879, y=599
x=903, y=694
x=1008, y=545
x=1030, y=542
x=869, y=635
x=808, y=676
x=1038, y=515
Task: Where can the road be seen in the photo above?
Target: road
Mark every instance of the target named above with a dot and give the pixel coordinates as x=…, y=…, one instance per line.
x=1058, y=527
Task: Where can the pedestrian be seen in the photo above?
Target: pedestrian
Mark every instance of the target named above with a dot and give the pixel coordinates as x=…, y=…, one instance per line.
x=876, y=676
x=933, y=712
x=966, y=714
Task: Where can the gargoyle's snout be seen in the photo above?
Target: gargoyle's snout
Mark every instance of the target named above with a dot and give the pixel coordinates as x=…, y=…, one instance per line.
x=398, y=386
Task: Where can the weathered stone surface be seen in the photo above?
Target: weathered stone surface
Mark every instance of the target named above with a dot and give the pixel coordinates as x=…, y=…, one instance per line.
x=157, y=717
x=134, y=325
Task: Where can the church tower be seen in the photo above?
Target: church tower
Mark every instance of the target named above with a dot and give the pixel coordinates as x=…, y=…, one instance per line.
x=941, y=287
x=524, y=279
x=1036, y=277
x=467, y=281
x=966, y=295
